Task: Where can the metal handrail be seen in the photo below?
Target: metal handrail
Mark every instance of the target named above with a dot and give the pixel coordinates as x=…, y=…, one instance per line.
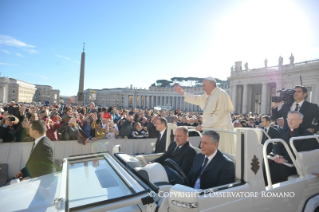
x=267, y=163
x=216, y=130
x=61, y=202
x=291, y=142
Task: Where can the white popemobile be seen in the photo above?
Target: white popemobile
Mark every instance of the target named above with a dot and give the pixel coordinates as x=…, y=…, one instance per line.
x=121, y=182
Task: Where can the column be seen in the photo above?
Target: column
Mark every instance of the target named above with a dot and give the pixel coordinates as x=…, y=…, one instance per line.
x=264, y=98
x=5, y=92
x=140, y=101
x=149, y=101
x=250, y=100
x=181, y=103
x=2, y=94
x=173, y=102
x=144, y=103
x=125, y=101
x=156, y=101
x=134, y=100
x=278, y=86
x=160, y=101
x=244, y=107
x=315, y=94
x=239, y=99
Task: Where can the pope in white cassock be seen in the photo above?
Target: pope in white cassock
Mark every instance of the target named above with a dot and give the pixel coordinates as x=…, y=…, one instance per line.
x=216, y=106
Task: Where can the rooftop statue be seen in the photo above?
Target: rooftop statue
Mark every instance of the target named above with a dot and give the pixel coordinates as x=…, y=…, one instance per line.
x=280, y=61
x=292, y=59
x=265, y=62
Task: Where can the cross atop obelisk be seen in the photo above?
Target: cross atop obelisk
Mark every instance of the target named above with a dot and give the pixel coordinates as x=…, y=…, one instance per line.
x=81, y=83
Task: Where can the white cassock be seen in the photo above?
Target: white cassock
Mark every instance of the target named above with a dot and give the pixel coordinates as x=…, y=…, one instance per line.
x=216, y=114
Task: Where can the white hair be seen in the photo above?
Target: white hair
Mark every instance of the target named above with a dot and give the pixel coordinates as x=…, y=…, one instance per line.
x=296, y=112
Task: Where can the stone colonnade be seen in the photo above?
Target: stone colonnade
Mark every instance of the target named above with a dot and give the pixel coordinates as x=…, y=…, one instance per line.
x=151, y=101
x=253, y=97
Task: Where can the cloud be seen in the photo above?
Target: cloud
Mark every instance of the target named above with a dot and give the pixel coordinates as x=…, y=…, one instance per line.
x=63, y=57
x=10, y=41
x=32, y=51
x=43, y=77
x=20, y=55
x=76, y=61
x=5, y=51
x=31, y=63
x=8, y=64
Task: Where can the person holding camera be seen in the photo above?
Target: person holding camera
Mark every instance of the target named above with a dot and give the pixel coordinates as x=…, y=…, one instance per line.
x=8, y=130
x=309, y=110
x=139, y=131
x=111, y=130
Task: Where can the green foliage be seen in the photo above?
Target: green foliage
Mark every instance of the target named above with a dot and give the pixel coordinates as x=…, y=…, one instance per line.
x=185, y=81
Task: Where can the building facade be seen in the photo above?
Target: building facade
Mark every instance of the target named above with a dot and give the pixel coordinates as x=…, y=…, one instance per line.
x=251, y=89
x=163, y=97
x=16, y=90
x=46, y=92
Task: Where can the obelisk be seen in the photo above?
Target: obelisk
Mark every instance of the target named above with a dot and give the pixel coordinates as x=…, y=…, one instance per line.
x=81, y=83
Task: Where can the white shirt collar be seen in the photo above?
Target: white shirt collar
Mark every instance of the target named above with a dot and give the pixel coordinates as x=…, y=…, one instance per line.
x=293, y=106
x=162, y=133
x=267, y=128
x=210, y=158
x=37, y=140
x=181, y=145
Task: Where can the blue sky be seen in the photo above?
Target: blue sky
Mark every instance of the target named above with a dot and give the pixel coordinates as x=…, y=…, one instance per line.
x=139, y=41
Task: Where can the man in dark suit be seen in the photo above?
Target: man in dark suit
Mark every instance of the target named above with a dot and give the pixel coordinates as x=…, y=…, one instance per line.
x=161, y=125
x=309, y=110
x=278, y=171
x=40, y=161
x=270, y=130
x=180, y=151
x=211, y=168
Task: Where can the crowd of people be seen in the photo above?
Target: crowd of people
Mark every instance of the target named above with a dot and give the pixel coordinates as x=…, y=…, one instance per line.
x=63, y=122
x=67, y=122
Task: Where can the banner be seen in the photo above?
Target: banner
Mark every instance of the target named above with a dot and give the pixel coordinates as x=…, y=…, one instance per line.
x=92, y=95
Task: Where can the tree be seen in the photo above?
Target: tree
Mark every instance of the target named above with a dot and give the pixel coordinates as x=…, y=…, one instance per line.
x=186, y=81
x=163, y=83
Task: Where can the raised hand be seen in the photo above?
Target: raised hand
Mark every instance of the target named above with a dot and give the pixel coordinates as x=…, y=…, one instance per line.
x=276, y=104
x=178, y=89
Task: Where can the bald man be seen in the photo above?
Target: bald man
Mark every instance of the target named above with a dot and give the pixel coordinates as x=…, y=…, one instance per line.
x=216, y=106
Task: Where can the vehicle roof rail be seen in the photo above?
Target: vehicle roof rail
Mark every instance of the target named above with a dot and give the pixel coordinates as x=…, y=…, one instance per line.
x=291, y=142
x=267, y=163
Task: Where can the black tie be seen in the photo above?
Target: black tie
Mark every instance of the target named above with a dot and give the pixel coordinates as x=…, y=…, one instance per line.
x=203, y=167
x=297, y=106
x=176, y=149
